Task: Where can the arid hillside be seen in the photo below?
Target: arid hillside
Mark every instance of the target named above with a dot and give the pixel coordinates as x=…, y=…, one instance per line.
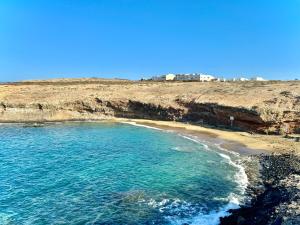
x=271, y=106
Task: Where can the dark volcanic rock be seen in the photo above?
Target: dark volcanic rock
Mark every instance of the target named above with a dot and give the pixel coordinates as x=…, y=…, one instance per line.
x=279, y=203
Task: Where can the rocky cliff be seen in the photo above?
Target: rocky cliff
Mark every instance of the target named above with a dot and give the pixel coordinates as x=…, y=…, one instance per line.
x=270, y=107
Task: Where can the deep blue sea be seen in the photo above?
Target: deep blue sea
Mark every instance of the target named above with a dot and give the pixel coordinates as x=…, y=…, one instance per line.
x=110, y=173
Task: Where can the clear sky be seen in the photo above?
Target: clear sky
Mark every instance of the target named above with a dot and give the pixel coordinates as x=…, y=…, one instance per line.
x=133, y=38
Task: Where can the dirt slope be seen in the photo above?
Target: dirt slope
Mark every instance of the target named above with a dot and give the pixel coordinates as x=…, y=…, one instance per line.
x=271, y=106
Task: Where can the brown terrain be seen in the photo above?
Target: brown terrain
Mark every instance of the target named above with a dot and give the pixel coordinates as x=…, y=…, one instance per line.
x=262, y=107
x=258, y=108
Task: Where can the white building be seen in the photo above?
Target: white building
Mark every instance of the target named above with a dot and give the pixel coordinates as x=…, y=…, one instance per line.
x=220, y=79
x=206, y=77
x=242, y=79
x=238, y=79
x=186, y=77
x=181, y=77
x=169, y=76
x=194, y=77
x=258, y=79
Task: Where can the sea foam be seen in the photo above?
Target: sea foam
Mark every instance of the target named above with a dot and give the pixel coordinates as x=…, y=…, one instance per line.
x=234, y=201
x=142, y=125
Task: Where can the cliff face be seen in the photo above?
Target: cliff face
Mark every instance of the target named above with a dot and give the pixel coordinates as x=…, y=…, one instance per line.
x=259, y=107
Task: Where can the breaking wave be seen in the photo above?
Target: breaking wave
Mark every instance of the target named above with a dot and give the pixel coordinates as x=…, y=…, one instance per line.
x=178, y=207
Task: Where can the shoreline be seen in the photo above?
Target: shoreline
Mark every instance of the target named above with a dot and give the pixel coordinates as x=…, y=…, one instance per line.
x=257, y=149
x=207, y=138
x=243, y=143
x=272, y=190
x=233, y=147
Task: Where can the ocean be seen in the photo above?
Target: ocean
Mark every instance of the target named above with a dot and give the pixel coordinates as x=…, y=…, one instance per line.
x=113, y=173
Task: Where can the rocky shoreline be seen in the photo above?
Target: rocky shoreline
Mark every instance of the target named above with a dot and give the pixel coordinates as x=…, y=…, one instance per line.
x=275, y=195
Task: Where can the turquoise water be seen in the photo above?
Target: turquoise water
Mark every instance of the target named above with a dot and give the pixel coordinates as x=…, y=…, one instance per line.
x=102, y=173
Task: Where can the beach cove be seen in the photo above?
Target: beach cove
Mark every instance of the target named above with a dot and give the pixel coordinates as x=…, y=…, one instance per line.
x=233, y=145
x=157, y=175
x=200, y=115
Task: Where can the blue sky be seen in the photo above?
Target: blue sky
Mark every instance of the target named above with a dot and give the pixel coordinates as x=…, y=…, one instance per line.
x=133, y=38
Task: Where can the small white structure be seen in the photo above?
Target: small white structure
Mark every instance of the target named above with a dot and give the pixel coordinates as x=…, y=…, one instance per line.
x=206, y=77
x=220, y=79
x=242, y=79
x=238, y=79
x=258, y=79
x=169, y=76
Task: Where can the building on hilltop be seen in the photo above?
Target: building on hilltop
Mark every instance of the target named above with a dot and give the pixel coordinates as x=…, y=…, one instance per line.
x=184, y=77
x=169, y=76
x=238, y=79
x=180, y=77
x=222, y=79
x=199, y=77
x=241, y=79
x=258, y=79
x=206, y=77
x=194, y=77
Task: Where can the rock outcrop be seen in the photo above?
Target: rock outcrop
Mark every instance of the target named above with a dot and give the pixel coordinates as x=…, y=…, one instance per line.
x=279, y=201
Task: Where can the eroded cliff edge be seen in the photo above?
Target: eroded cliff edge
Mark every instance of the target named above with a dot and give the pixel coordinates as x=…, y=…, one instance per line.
x=265, y=107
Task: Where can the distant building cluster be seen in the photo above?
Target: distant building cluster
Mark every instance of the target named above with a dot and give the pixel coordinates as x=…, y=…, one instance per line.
x=184, y=77
x=246, y=79
x=199, y=77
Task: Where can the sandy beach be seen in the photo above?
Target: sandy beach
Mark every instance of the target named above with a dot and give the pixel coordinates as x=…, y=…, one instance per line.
x=241, y=142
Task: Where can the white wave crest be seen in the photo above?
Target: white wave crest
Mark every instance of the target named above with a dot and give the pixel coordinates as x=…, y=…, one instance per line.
x=234, y=200
x=211, y=218
x=141, y=125
x=240, y=177
x=195, y=140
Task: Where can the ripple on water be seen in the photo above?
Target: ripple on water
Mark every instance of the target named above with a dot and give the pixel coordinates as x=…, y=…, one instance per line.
x=91, y=173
